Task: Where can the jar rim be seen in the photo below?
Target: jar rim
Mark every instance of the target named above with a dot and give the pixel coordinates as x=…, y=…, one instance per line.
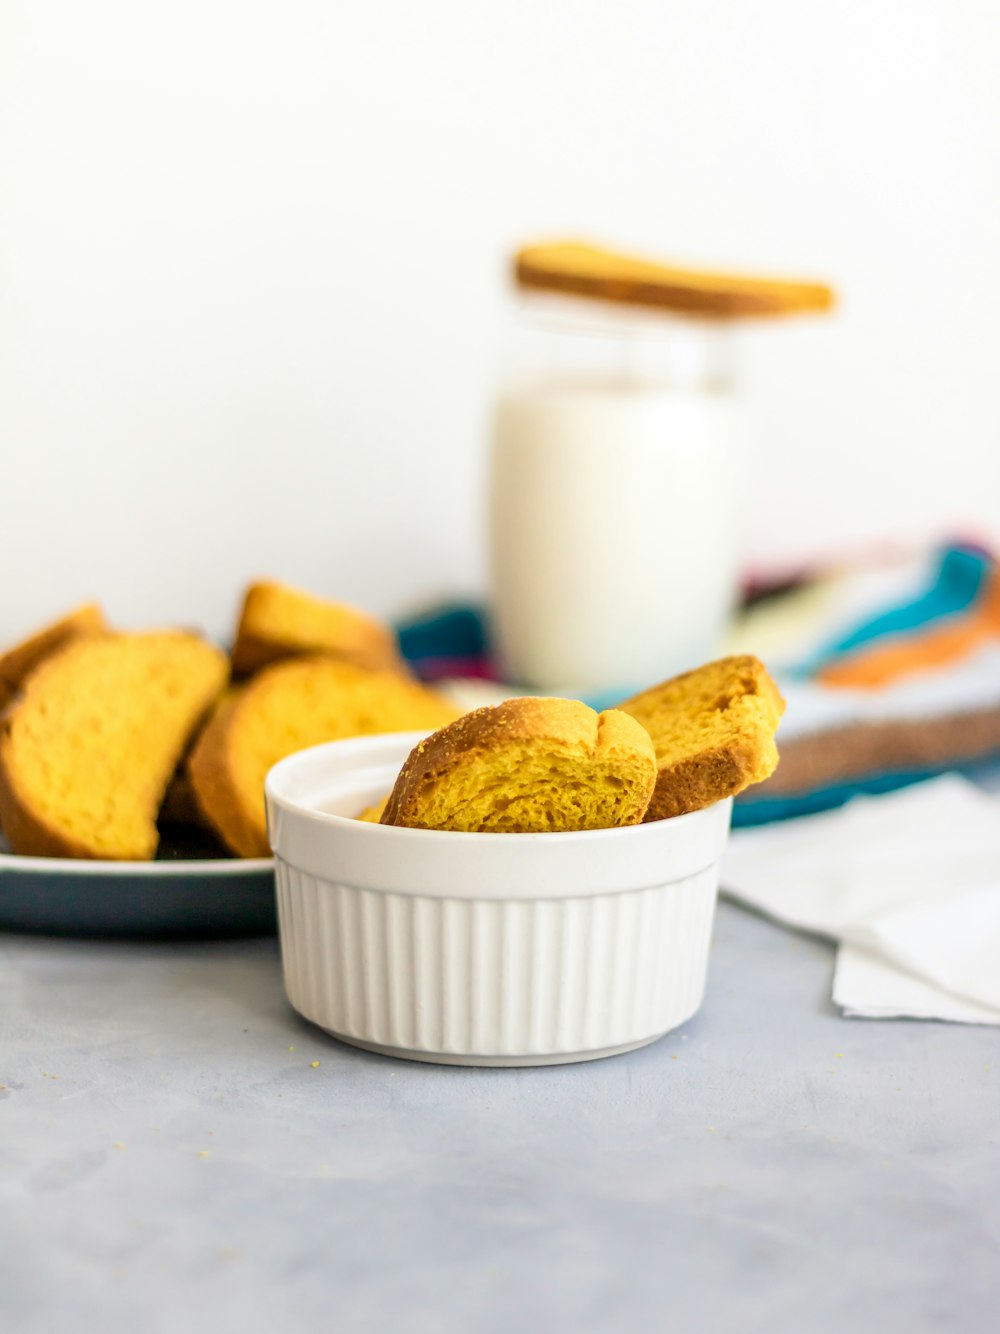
x=584, y=317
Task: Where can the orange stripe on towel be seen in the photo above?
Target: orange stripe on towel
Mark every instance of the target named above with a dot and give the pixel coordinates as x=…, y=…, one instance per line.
x=933, y=648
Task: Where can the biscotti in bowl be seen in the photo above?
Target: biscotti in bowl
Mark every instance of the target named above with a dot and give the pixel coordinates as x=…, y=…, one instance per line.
x=480, y=948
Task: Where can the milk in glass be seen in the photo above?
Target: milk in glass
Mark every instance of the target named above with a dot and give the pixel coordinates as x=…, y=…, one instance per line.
x=612, y=499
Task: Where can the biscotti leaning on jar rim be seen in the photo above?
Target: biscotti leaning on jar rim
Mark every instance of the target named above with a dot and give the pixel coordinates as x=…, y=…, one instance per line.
x=581, y=269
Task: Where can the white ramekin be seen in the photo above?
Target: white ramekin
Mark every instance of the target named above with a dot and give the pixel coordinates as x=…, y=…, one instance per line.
x=483, y=949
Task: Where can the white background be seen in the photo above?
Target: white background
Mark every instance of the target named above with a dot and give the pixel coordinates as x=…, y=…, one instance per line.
x=252, y=284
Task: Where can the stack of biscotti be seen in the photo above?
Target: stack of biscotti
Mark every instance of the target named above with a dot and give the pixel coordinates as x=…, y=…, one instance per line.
x=105, y=734
x=310, y=671
x=287, y=707
x=546, y=765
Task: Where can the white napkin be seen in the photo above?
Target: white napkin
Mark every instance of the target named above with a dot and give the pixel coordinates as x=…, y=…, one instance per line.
x=867, y=986
x=909, y=883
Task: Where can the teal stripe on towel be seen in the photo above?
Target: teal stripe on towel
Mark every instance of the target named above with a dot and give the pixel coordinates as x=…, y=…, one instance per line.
x=957, y=583
x=750, y=810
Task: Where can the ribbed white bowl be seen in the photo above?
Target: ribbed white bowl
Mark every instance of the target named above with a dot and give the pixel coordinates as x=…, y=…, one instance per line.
x=483, y=949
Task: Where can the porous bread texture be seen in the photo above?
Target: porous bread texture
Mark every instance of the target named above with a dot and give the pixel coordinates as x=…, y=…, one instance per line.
x=582, y=269
x=87, y=751
x=532, y=765
x=713, y=731
x=17, y=664
x=278, y=622
x=283, y=709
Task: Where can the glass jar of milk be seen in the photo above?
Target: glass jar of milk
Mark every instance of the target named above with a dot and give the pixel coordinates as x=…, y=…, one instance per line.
x=612, y=497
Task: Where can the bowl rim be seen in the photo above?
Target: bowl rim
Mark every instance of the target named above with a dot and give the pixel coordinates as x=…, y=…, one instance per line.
x=301, y=809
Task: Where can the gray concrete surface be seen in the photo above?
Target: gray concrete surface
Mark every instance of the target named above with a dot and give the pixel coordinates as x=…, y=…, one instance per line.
x=171, y=1158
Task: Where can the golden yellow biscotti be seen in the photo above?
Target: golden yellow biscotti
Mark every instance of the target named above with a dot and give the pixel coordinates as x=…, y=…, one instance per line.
x=17, y=664
x=180, y=805
x=527, y=766
x=88, y=749
x=713, y=731
x=278, y=622
x=287, y=707
x=582, y=269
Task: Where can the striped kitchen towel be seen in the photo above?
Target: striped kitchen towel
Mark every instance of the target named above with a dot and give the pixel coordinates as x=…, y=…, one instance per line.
x=891, y=673
x=891, y=670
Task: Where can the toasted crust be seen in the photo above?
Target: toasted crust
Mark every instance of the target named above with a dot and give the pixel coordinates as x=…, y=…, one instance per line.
x=17, y=664
x=87, y=751
x=278, y=622
x=713, y=730
x=215, y=782
x=287, y=707
x=527, y=765
x=592, y=271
